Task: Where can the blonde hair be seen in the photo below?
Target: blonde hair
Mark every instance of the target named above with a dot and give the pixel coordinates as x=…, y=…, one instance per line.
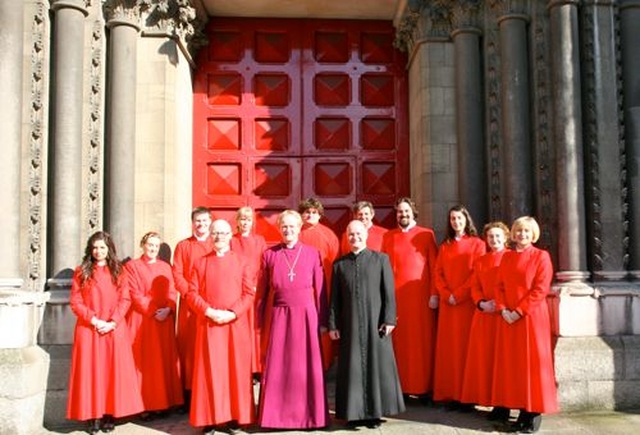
x=526, y=221
x=149, y=235
x=244, y=212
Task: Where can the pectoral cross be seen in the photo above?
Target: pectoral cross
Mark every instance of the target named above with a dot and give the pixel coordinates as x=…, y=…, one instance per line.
x=291, y=274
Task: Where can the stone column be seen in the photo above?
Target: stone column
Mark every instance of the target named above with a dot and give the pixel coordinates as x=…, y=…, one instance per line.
x=123, y=23
x=23, y=365
x=11, y=46
x=629, y=37
x=567, y=135
x=65, y=204
x=516, y=124
x=472, y=179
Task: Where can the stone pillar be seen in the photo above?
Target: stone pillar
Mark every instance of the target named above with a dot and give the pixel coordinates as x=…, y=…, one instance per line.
x=120, y=127
x=472, y=179
x=516, y=124
x=567, y=135
x=629, y=37
x=65, y=203
x=23, y=365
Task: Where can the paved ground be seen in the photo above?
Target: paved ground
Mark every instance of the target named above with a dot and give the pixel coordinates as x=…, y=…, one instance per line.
x=418, y=419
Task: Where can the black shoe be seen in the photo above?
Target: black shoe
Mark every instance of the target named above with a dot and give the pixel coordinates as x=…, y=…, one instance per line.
x=466, y=407
x=209, y=430
x=499, y=413
x=94, y=426
x=527, y=422
x=452, y=405
x=108, y=423
x=373, y=423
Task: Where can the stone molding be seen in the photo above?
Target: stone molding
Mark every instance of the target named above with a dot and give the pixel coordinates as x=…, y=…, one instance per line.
x=37, y=146
x=466, y=14
x=80, y=5
x=93, y=197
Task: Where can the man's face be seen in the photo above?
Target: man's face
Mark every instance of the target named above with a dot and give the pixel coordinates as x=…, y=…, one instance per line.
x=365, y=215
x=201, y=224
x=357, y=236
x=221, y=233
x=311, y=216
x=290, y=229
x=404, y=214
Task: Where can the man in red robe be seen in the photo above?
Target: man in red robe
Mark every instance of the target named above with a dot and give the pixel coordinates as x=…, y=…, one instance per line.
x=221, y=291
x=412, y=250
x=322, y=238
x=187, y=252
x=364, y=212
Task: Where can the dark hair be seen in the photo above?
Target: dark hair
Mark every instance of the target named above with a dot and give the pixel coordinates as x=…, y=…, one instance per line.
x=411, y=203
x=310, y=203
x=89, y=263
x=469, y=228
x=200, y=210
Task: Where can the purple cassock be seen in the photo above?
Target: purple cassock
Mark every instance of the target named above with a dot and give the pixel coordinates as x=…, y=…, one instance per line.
x=293, y=392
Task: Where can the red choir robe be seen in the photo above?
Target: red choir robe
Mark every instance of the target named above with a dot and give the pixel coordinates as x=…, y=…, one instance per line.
x=413, y=256
x=374, y=240
x=326, y=242
x=103, y=375
x=523, y=373
x=453, y=276
x=478, y=372
x=154, y=342
x=187, y=252
x=251, y=247
x=222, y=389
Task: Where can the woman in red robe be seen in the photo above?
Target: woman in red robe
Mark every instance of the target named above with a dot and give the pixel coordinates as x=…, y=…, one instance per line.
x=453, y=279
x=523, y=374
x=478, y=373
x=250, y=246
x=152, y=327
x=103, y=383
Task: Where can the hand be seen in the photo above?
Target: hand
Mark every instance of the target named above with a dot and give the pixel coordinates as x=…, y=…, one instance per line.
x=386, y=329
x=452, y=300
x=104, y=327
x=434, y=301
x=162, y=314
x=334, y=334
x=488, y=306
x=510, y=316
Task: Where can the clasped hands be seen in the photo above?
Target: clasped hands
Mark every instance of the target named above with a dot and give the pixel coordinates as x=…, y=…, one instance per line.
x=510, y=316
x=161, y=314
x=220, y=317
x=102, y=326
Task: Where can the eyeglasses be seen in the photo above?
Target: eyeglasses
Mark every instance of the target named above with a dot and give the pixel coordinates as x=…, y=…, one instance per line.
x=220, y=233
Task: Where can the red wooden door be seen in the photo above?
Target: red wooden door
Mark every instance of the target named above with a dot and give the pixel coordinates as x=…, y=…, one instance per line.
x=288, y=109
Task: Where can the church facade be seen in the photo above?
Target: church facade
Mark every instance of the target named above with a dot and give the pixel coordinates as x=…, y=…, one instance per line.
x=511, y=107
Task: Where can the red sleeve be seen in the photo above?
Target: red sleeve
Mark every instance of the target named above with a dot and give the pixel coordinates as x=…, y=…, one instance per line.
x=248, y=293
x=441, y=286
x=262, y=291
x=320, y=288
x=76, y=299
x=180, y=264
x=540, y=283
x=139, y=299
x=478, y=249
x=476, y=286
x=196, y=282
x=124, y=301
x=430, y=270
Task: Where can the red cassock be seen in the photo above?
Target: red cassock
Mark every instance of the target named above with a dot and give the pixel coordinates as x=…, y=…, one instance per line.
x=187, y=252
x=222, y=388
x=251, y=248
x=478, y=372
x=154, y=342
x=103, y=376
x=523, y=374
x=413, y=257
x=326, y=242
x=453, y=276
x=374, y=240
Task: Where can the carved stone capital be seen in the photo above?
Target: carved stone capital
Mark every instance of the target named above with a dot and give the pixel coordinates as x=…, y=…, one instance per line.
x=122, y=12
x=466, y=14
x=508, y=7
x=80, y=5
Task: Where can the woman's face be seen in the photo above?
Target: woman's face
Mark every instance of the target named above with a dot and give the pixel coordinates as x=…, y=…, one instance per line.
x=151, y=248
x=245, y=223
x=496, y=238
x=289, y=229
x=523, y=236
x=458, y=222
x=100, y=252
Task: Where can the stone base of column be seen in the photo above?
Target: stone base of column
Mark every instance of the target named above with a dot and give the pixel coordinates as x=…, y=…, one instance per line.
x=23, y=387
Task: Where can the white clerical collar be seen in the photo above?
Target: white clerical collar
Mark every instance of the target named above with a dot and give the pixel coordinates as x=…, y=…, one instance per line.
x=222, y=252
x=411, y=225
x=358, y=251
x=201, y=238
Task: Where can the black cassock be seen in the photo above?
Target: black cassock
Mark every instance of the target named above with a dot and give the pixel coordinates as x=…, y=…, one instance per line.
x=362, y=299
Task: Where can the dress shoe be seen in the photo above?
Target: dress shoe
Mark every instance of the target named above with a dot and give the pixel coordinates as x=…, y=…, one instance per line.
x=108, y=423
x=94, y=426
x=527, y=422
x=373, y=423
x=209, y=430
x=499, y=413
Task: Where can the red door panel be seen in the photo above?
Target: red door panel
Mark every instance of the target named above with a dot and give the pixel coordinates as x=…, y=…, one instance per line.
x=287, y=109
